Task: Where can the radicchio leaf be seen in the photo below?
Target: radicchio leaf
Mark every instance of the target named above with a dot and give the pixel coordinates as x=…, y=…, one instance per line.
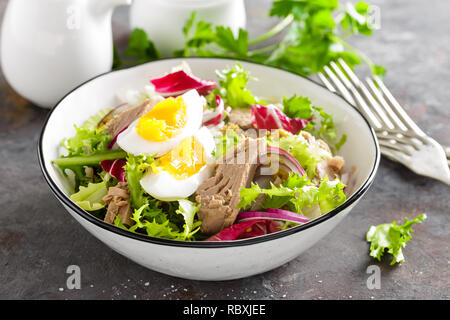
x=115, y=168
x=177, y=83
x=270, y=117
x=247, y=229
x=213, y=118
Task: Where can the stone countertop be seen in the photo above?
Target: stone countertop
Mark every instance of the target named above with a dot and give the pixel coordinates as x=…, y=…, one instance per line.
x=39, y=240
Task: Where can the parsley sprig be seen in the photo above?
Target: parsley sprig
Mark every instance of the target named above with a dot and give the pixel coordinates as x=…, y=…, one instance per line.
x=315, y=33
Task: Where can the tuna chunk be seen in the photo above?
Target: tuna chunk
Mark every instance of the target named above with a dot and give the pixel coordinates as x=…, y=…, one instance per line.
x=242, y=118
x=118, y=204
x=331, y=167
x=219, y=195
x=125, y=118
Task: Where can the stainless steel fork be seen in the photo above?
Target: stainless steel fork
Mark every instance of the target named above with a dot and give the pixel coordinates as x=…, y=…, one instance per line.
x=399, y=137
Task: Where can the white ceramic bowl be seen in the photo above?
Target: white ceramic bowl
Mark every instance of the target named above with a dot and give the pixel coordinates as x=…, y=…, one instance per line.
x=210, y=260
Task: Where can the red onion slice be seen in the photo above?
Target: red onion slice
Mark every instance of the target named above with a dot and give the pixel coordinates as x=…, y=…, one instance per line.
x=247, y=229
x=114, y=140
x=272, y=214
x=287, y=159
x=289, y=213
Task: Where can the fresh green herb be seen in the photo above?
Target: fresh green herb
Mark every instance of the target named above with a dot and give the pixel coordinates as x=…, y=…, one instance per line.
x=392, y=238
x=322, y=125
x=140, y=50
x=316, y=35
x=203, y=39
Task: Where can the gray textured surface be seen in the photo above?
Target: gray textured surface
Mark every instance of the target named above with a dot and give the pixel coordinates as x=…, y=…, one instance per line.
x=39, y=240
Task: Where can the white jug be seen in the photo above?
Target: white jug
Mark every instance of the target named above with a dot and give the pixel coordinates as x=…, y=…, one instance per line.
x=163, y=20
x=49, y=47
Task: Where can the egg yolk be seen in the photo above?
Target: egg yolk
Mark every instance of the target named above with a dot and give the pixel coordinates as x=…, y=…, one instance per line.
x=183, y=161
x=164, y=121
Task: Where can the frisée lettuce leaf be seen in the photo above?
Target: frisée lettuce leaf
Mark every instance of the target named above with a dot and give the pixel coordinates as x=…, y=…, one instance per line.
x=392, y=238
x=155, y=223
x=297, y=193
x=298, y=148
x=88, y=139
x=134, y=171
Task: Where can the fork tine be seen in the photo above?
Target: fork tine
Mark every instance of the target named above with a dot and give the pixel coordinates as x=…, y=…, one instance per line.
x=378, y=94
x=360, y=102
x=395, y=155
x=366, y=94
x=325, y=81
x=341, y=88
x=397, y=108
x=394, y=138
x=397, y=146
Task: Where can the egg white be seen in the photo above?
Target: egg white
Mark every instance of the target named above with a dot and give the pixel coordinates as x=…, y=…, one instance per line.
x=130, y=141
x=163, y=186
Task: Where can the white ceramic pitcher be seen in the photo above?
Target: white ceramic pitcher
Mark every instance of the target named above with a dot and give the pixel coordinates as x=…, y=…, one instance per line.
x=49, y=47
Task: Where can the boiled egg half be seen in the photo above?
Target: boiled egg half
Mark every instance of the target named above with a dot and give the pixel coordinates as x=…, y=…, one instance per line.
x=165, y=126
x=178, y=174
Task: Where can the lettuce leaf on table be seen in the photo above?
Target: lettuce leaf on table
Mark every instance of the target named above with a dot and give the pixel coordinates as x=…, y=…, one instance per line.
x=391, y=238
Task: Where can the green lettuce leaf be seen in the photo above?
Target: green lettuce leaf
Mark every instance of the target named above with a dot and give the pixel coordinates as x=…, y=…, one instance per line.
x=160, y=226
x=134, y=171
x=90, y=198
x=88, y=139
x=154, y=228
x=330, y=194
x=298, y=148
x=188, y=210
x=297, y=193
x=391, y=238
x=233, y=87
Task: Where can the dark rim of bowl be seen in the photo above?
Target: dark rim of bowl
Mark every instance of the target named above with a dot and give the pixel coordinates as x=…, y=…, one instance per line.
x=206, y=244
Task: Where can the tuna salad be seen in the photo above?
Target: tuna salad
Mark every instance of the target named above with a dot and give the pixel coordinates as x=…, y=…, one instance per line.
x=191, y=159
